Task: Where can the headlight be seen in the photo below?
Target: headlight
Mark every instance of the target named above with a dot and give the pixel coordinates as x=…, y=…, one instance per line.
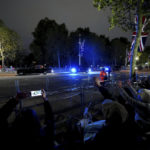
x=73, y=70
x=136, y=68
x=89, y=70
x=106, y=69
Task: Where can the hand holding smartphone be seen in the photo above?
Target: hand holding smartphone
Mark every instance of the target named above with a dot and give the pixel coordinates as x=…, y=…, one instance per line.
x=36, y=93
x=44, y=95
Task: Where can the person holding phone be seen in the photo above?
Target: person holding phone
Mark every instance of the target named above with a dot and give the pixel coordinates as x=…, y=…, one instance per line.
x=26, y=129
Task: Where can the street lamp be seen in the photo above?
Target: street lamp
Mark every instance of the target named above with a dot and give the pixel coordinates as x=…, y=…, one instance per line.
x=137, y=58
x=81, y=48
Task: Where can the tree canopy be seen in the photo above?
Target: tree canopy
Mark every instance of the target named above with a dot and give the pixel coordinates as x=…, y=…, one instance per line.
x=95, y=47
x=10, y=43
x=54, y=45
x=123, y=15
x=49, y=42
x=123, y=11
x=119, y=47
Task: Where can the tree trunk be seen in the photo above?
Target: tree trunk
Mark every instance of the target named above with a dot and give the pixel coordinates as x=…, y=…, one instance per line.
x=93, y=60
x=69, y=61
x=3, y=59
x=126, y=59
x=58, y=56
x=135, y=50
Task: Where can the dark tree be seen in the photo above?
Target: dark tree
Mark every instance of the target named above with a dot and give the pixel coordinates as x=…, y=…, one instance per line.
x=50, y=42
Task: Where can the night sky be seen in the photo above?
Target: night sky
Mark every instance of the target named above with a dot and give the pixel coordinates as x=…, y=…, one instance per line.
x=23, y=16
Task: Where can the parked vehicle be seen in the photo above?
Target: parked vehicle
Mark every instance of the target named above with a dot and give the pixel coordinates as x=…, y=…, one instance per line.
x=34, y=70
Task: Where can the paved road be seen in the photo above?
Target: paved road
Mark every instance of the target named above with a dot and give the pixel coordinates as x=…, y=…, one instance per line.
x=62, y=88
x=52, y=82
x=10, y=84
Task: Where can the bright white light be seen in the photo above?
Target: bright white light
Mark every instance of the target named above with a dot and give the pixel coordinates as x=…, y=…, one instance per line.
x=106, y=69
x=89, y=71
x=137, y=58
x=146, y=63
x=73, y=70
x=52, y=71
x=136, y=68
x=73, y=74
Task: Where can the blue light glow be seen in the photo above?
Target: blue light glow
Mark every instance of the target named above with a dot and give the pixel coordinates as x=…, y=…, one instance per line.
x=89, y=71
x=106, y=69
x=73, y=74
x=73, y=70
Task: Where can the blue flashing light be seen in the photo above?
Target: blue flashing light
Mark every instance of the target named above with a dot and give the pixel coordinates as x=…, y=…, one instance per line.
x=89, y=71
x=52, y=71
x=106, y=68
x=73, y=70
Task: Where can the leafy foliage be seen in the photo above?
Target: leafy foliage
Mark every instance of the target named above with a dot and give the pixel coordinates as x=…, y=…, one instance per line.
x=49, y=41
x=145, y=56
x=122, y=11
x=54, y=46
x=123, y=15
x=10, y=43
x=119, y=47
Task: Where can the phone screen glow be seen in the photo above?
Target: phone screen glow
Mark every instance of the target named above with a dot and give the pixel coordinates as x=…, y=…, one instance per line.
x=36, y=93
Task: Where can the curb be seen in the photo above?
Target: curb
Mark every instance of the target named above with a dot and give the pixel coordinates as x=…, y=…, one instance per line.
x=7, y=74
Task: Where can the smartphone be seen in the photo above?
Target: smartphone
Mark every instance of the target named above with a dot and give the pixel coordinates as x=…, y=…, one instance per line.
x=36, y=93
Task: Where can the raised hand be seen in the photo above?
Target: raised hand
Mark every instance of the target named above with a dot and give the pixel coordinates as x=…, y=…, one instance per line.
x=44, y=95
x=97, y=81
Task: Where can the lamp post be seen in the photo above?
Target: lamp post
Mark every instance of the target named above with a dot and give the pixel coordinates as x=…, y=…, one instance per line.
x=81, y=48
x=137, y=58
